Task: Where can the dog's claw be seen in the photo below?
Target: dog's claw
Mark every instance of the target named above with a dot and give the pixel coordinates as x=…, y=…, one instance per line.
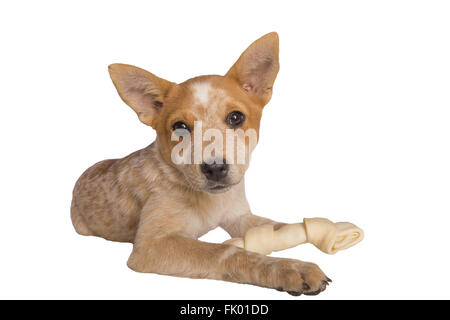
x=294, y=293
x=279, y=289
x=313, y=293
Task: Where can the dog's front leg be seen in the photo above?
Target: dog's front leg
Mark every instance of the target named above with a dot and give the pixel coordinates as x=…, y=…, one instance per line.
x=173, y=252
x=238, y=226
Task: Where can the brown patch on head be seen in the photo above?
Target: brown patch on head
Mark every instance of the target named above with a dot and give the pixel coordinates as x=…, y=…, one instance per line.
x=208, y=99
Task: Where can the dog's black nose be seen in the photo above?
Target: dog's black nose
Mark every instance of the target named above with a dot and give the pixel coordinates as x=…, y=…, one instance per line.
x=215, y=171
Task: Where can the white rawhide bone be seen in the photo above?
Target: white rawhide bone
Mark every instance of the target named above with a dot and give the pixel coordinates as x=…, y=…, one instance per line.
x=326, y=235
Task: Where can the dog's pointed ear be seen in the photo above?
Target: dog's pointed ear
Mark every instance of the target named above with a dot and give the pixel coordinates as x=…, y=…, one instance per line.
x=257, y=67
x=142, y=91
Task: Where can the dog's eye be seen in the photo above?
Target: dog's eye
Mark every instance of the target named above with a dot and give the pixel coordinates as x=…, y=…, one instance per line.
x=235, y=119
x=181, y=128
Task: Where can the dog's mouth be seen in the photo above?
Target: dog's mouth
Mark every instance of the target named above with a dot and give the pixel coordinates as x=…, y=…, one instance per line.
x=218, y=188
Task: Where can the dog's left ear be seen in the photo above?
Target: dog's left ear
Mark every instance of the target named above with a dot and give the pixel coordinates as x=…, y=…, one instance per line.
x=257, y=67
x=141, y=90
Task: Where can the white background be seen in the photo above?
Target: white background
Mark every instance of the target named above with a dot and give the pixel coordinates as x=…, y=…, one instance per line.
x=363, y=87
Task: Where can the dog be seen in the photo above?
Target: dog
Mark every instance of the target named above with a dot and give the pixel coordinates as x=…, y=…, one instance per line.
x=163, y=207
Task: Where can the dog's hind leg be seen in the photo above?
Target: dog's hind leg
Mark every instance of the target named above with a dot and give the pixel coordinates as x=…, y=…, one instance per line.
x=78, y=221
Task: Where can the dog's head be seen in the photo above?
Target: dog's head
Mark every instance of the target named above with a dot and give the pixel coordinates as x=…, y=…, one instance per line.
x=206, y=126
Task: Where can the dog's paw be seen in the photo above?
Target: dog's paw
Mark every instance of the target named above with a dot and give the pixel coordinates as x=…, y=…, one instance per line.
x=297, y=277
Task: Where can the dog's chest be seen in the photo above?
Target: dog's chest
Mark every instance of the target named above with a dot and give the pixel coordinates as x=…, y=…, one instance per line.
x=208, y=213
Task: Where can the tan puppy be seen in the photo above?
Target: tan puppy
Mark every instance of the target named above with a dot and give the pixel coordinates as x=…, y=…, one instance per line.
x=163, y=207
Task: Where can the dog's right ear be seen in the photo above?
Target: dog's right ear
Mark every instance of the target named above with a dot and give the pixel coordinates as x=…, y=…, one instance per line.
x=142, y=91
x=257, y=67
